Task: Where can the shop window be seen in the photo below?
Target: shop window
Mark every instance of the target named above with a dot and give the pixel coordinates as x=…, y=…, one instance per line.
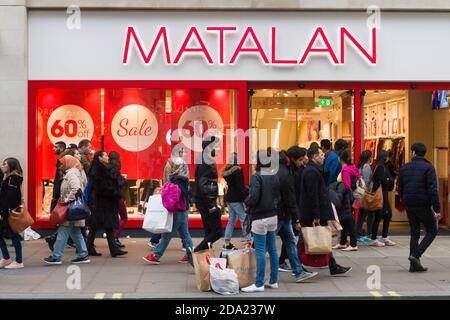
x=283, y=118
x=141, y=124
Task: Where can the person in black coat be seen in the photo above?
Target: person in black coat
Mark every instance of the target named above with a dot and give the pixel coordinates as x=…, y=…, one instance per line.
x=382, y=178
x=10, y=199
x=234, y=197
x=417, y=187
x=315, y=206
x=106, y=193
x=206, y=193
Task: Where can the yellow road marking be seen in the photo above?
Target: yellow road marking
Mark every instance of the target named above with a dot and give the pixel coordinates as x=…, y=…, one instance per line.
x=117, y=296
x=99, y=296
x=393, y=294
x=376, y=294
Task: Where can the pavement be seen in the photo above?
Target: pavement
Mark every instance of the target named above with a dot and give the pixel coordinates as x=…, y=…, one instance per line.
x=129, y=277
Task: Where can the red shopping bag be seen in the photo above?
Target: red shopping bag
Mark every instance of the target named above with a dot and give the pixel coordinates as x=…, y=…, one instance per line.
x=312, y=260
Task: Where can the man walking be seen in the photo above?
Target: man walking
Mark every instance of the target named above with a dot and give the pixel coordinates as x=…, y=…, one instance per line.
x=417, y=187
x=332, y=166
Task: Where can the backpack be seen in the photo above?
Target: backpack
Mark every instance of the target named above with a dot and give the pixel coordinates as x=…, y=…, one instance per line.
x=171, y=197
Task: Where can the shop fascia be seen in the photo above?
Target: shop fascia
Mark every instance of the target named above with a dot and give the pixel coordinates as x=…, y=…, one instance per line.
x=268, y=56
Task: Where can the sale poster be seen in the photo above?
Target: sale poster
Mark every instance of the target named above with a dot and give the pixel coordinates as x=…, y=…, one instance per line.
x=63, y=115
x=134, y=122
x=198, y=114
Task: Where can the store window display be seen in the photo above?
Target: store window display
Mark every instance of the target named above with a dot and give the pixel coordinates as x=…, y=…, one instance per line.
x=143, y=125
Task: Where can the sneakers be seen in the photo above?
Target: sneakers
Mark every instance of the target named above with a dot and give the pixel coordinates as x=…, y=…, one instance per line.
x=305, y=276
x=340, y=246
x=229, y=247
x=388, y=242
x=152, y=259
x=152, y=245
x=271, y=285
x=376, y=243
x=52, y=260
x=284, y=267
x=15, y=265
x=5, y=262
x=350, y=248
x=340, y=270
x=253, y=288
x=81, y=260
x=363, y=240
x=184, y=260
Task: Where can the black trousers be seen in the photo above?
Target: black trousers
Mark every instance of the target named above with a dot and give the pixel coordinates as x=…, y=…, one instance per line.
x=362, y=214
x=332, y=264
x=348, y=229
x=386, y=217
x=417, y=216
x=213, y=228
x=283, y=255
x=113, y=248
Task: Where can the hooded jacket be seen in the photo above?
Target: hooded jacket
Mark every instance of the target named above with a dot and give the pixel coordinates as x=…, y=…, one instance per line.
x=183, y=183
x=206, y=187
x=350, y=174
x=288, y=208
x=236, y=191
x=264, y=196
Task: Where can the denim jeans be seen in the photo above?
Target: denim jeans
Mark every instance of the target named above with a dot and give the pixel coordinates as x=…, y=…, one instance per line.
x=16, y=242
x=180, y=225
x=61, y=241
x=262, y=244
x=235, y=210
x=286, y=233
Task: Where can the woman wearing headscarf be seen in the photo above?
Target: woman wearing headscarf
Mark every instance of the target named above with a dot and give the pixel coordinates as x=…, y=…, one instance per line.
x=73, y=184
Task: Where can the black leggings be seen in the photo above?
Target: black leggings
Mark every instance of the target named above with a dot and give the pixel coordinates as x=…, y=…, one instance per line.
x=213, y=228
x=386, y=222
x=348, y=229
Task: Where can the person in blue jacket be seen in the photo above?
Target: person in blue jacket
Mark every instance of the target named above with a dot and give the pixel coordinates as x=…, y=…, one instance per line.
x=332, y=166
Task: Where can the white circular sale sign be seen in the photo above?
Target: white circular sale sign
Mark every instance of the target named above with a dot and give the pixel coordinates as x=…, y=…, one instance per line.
x=71, y=124
x=134, y=128
x=197, y=122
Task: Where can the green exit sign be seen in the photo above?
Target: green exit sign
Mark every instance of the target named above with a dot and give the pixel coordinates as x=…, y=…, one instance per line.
x=325, y=102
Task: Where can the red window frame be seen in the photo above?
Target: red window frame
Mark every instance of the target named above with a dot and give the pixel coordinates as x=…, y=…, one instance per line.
x=243, y=111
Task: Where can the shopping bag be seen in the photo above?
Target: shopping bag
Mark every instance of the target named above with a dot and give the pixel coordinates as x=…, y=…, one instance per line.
x=243, y=262
x=157, y=219
x=312, y=260
x=19, y=219
x=335, y=225
x=373, y=201
x=59, y=213
x=202, y=261
x=317, y=239
x=223, y=281
x=78, y=210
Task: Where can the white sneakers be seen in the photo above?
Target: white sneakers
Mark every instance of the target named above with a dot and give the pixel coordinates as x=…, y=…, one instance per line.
x=388, y=242
x=15, y=265
x=271, y=285
x=382, y=243
x=340, y=246
x=350, y=248
x=253, y=288
x=376, y=243
x=5, y=262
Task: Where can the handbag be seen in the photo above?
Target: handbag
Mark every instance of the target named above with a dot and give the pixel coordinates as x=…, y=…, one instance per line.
x=59, y=213
x=373, y=201
x=317, y=239
x=19, y=218
x=78, y=210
